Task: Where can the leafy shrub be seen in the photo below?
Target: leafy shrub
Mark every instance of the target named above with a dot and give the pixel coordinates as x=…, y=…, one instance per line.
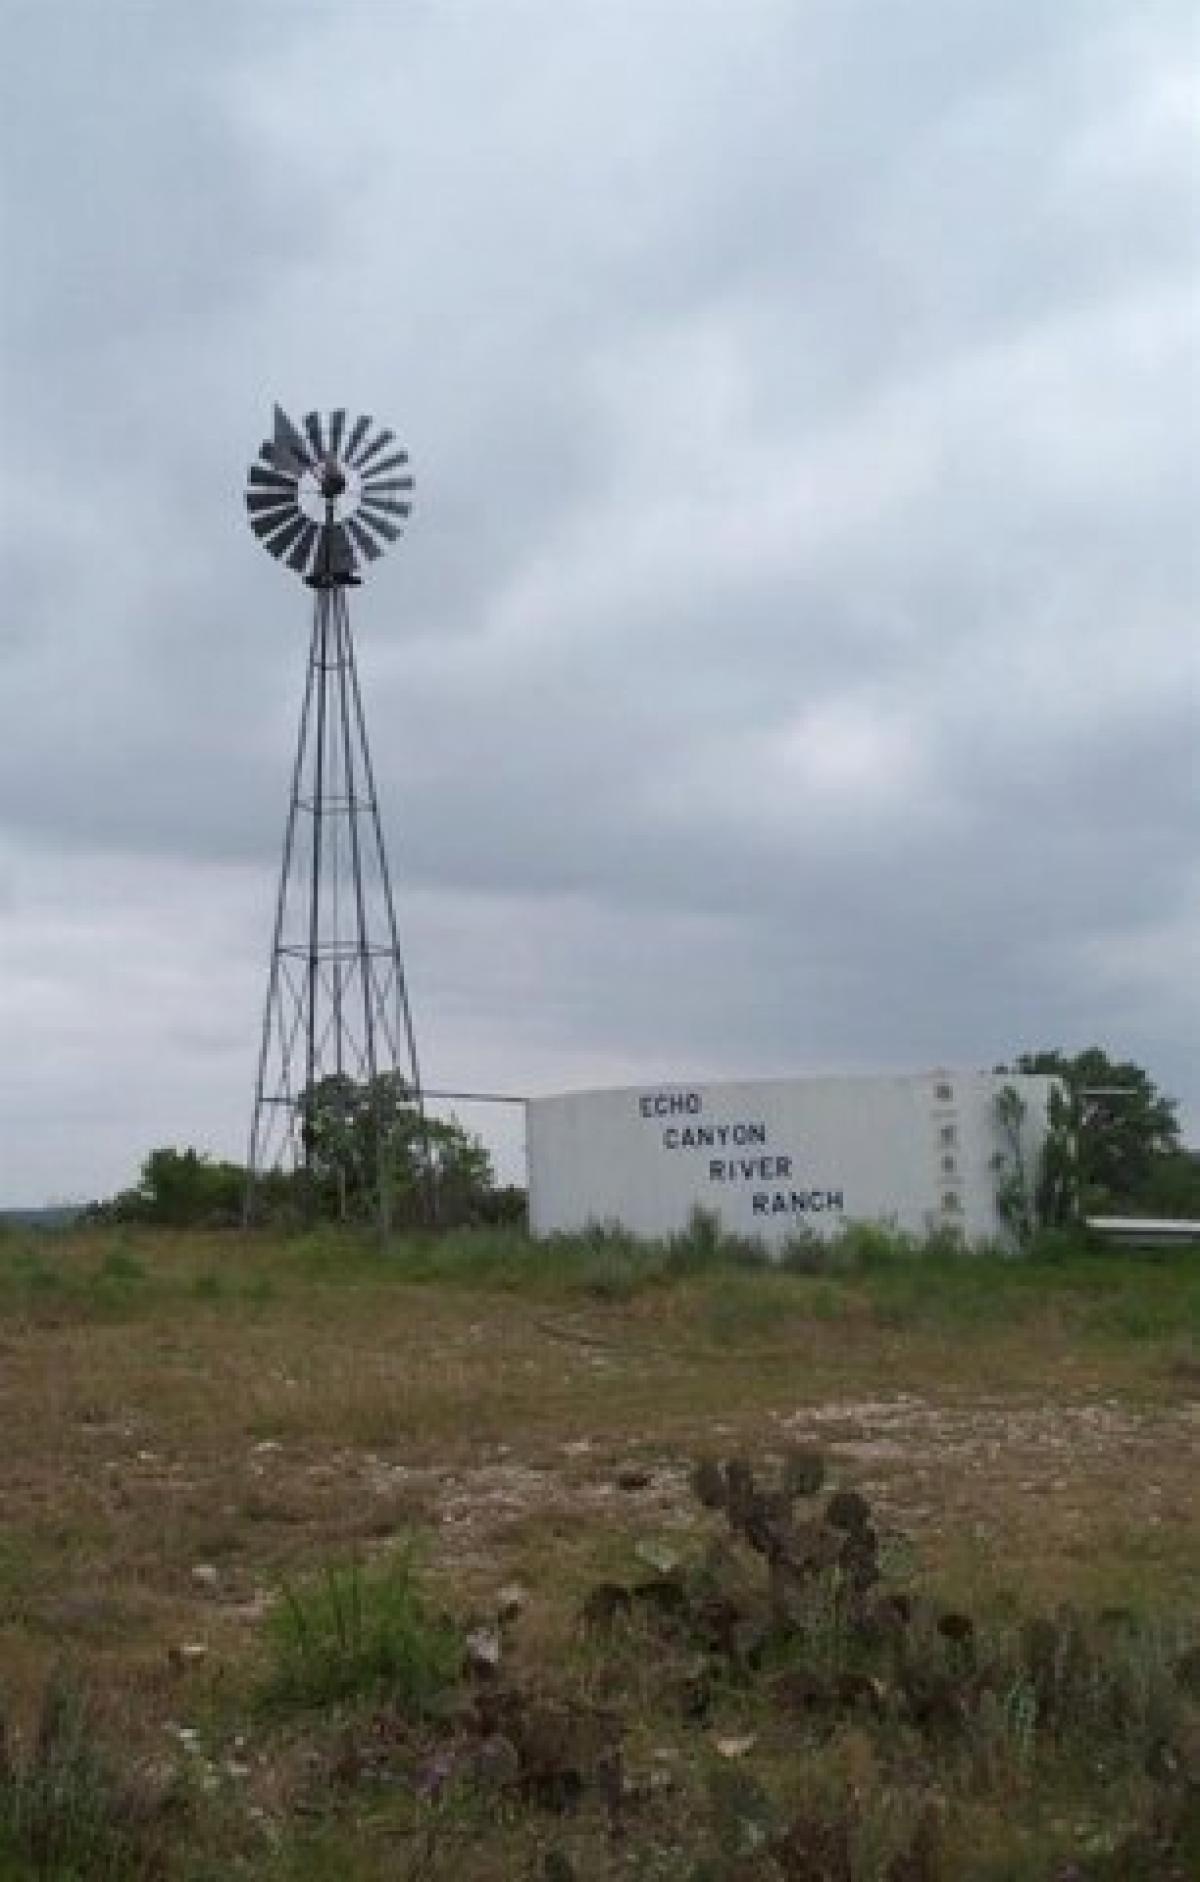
x=357, y=1632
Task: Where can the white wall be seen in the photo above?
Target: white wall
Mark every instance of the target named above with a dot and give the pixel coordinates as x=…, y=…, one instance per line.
x=915, y=1151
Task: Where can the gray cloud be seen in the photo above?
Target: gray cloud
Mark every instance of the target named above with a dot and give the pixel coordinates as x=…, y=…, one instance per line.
x=792, y=661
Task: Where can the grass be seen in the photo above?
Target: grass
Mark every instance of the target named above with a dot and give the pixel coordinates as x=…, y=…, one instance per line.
x=67, y=1812
x=359, y=1632
x=284, y=1414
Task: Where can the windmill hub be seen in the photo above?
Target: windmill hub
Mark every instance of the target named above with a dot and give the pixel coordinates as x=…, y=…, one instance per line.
x=326, y=494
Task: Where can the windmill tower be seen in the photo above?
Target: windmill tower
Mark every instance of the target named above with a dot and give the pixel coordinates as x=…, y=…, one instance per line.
x=337, y=1031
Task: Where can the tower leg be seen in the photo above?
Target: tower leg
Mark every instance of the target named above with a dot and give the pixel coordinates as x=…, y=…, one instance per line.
x=337, y=1064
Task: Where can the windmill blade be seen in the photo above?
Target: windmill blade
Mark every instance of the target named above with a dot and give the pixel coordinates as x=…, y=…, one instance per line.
x=276, y=533
x=388, y=504
x=312, y=425
x=385, y=486
x=271, y=500
x=373, y=449
x=281, y=543
x=299, y=557
x=272, y=479
x=366, y=542
x=380, y=524
x=394, y=462
x=288, y=449
x=337, y=425
x=264, y=526
x=361, y=427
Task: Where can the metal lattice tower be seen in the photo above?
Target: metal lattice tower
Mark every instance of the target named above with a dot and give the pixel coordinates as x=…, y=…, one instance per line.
x=337, y=1004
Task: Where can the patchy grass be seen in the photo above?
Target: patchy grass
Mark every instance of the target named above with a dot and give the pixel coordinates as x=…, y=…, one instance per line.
x=195, y=1423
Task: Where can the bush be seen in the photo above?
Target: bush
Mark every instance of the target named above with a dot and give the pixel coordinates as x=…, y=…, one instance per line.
x=360, y=1632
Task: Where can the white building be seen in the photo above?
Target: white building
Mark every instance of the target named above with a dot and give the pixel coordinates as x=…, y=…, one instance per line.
x=919, y=1152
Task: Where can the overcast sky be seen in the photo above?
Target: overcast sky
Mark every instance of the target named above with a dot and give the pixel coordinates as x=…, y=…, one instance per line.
x=793, y=660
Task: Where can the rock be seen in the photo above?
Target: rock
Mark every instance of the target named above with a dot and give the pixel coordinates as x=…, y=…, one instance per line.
x=658, y=1556
x=187, y=1653
x=205, y=1575
x=511, y=1602
x=736, y=1746
x=483, y=1652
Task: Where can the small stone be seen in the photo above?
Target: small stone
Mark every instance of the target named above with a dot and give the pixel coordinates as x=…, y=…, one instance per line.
x=736, y=1746
x=186, y=1654
x=483, y=1651
x=205, y=1575
x=511, y=1602
x=657, y=1555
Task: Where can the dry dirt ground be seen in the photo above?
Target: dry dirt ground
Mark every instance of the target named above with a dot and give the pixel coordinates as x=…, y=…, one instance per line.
x=252, y=1438
x=211, y=1425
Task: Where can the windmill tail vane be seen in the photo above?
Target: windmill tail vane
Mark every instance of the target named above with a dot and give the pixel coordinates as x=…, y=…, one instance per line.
x=325, y=497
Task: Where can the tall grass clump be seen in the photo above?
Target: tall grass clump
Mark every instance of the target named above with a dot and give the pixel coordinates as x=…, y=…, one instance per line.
x=704, y=1245
x=358, y=1632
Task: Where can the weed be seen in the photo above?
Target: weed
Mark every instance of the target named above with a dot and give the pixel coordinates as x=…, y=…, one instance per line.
x=359, y=1632
x=704, y=1245
x=65, y=1815
x=1002, y=1733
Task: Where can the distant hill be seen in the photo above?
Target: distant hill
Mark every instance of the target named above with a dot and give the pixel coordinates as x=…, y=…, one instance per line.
x=54, y=1216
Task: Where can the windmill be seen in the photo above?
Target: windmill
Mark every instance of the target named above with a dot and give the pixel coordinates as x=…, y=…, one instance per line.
x=337, y=1024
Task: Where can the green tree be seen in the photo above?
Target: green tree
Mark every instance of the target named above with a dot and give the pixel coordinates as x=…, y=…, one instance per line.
x=1122, y=1127
x=179, y=1189
x=1174, y=1185
x=364, y=1137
